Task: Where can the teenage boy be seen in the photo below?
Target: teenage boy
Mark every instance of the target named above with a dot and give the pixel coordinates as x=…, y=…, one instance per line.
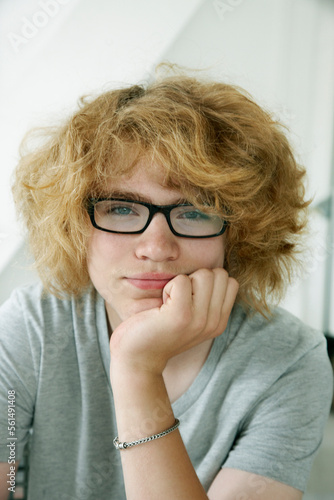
x=149, y=363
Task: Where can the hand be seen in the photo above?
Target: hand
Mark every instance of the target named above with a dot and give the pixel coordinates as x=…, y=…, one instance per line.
x=195, y=308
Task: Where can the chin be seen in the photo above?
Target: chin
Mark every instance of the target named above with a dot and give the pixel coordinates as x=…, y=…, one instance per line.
x=151, y=303
x=144, y=305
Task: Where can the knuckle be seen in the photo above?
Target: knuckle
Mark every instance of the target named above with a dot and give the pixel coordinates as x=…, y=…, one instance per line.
x=206, y=273
x=234, y=282
x=221, y=272
x=203, y=276
x=181, y=279
x=202, y=273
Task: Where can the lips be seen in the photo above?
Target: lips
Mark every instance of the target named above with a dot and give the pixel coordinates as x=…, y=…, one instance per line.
x=150, y=281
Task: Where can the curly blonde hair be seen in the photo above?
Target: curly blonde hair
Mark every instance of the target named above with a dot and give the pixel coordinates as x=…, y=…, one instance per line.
x=216, y=144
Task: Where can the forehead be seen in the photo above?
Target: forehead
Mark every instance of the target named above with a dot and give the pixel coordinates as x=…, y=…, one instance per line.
x=146, y=182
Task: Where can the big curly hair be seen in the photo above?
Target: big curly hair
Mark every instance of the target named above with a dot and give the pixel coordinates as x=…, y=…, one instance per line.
x=215, y=143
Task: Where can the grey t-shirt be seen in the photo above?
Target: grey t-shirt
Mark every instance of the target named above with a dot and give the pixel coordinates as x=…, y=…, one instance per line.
x=259, y=403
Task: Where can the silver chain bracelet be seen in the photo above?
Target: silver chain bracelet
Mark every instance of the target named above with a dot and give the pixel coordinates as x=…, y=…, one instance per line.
x=123, y=446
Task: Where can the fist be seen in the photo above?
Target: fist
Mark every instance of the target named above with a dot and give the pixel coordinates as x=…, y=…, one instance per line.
x=195, y=308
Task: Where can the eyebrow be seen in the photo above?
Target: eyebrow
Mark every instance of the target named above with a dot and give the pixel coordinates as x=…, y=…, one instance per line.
x=133, y=196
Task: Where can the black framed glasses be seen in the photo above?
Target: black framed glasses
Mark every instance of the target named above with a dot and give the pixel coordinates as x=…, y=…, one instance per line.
x=133, y=217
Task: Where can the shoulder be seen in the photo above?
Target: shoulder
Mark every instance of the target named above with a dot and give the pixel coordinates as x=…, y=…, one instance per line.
x=280, y=392
x=282, y=334
x=267, y=352
x=32, y=301
x=31, y=311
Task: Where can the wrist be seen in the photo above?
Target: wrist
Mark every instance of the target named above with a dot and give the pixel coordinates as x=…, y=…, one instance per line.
x=138, y=369
x=134, y=378
x=141, y=402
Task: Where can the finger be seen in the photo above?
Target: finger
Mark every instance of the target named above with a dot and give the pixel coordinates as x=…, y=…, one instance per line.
x=220, y=286
x=177, y=294
x=202, y=282
x=229, y=301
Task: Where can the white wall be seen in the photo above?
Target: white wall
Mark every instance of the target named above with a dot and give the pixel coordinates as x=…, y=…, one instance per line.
x=53, y=51
x=282, y=51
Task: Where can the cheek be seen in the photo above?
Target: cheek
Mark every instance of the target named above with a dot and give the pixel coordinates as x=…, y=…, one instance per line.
x=208, y=253
x=104, y=247
x=106, y=256
x=98, y=256
x=93, y=254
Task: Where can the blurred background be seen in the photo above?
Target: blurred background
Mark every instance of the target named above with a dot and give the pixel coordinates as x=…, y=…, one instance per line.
x=281, y=51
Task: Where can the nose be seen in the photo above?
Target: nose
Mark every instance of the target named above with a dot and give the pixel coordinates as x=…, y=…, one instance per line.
x=157, y=242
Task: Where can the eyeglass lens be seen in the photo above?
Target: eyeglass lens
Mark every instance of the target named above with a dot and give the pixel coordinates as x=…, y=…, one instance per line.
x=127, y=217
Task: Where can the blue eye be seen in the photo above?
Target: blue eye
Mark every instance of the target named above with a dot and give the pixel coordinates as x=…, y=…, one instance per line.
x=119, y=210
x=193, y=215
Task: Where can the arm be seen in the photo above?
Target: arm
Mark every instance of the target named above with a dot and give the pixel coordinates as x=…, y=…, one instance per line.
x=161, y=468
x=4, y=470
x=195, y=308
x=231, y=484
